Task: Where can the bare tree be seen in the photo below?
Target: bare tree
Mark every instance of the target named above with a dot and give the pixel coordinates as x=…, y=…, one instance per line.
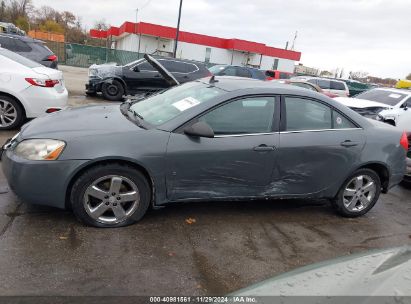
x=101, y=25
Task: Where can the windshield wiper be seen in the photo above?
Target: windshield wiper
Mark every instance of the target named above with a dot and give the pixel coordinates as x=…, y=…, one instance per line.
x=139, y=120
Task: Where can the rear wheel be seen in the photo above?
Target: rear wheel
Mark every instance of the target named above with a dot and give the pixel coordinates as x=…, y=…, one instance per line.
x=113, y=91
x=113, y=195
x=11, y=113
x=358, y=194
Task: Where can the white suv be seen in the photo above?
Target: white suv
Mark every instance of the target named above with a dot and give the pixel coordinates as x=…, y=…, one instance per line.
x=328, y=85
x=392, y=106
x=27, y=90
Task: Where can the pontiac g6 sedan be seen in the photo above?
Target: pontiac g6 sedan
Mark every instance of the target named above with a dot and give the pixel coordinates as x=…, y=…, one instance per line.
x=218, y=138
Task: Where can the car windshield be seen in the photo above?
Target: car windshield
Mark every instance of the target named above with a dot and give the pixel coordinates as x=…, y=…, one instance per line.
x=168, y=104
x=19, y=59
x=386, y=97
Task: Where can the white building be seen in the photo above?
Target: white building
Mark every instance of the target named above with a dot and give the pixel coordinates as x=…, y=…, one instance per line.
x=157, y=39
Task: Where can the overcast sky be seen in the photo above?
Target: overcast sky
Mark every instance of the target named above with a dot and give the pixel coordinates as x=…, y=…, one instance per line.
x=366, y=35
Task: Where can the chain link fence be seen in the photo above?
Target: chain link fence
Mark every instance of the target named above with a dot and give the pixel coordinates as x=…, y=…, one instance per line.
x=80, y=55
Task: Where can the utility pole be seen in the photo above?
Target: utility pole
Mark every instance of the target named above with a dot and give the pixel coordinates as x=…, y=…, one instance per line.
x=178, y=30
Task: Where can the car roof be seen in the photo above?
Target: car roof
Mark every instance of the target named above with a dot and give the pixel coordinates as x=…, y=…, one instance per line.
x=232, y=83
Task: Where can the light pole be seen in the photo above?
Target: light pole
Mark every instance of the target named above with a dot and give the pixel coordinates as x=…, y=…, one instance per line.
x=135, y=28
x=178, y=29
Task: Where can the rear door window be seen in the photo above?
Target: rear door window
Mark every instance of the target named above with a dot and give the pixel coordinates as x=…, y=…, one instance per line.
x=336, y=85
x=179, y=67
x=305, y=114
x=341, y=122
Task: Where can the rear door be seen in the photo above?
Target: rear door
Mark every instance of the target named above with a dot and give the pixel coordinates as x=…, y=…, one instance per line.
x=319, y=146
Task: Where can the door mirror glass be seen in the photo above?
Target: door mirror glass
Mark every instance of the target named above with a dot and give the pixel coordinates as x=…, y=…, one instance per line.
x=136, y=69
x=199, y=129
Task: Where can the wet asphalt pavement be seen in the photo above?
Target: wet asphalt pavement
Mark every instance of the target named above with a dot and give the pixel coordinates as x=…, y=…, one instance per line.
x=184, y=249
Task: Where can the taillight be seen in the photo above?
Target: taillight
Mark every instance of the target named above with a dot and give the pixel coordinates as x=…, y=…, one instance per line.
x=52, y=58
x=49, y=83
x=404, y=141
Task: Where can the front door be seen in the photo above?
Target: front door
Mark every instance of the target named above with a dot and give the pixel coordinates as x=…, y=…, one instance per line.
x=237, y=162
x=319, y=147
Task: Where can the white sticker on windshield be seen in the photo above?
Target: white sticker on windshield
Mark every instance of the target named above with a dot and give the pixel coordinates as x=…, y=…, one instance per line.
x=186, y=103
x=394, y=95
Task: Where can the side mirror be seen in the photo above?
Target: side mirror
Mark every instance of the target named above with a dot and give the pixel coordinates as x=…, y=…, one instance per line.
x=136, y=69
x=405, y=107
x=199, y=129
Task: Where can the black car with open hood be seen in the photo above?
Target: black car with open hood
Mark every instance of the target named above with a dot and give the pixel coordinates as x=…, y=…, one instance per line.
x=148, y=74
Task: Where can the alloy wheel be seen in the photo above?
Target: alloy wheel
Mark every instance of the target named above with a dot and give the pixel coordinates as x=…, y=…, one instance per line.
x=111, y=199
x=359, y=193
x=8, y=113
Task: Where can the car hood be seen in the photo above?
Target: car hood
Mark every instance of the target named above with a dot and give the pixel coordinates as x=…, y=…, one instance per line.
x=378, y=273
x=360, y=103
x=77, y=122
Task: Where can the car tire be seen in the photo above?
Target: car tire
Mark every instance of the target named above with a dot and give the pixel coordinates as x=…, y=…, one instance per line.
x=95, y=196
x=357, y=196
x=113, y=91
x=8, y=107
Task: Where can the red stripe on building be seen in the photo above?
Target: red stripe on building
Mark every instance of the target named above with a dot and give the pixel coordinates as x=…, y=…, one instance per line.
x=170, y=33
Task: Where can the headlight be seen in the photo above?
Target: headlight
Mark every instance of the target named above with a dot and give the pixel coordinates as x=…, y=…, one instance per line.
x=40, y=149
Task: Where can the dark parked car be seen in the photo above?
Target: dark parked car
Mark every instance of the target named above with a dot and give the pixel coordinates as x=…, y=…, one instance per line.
x=211, y=139
x=140, y=77
x=30, y=48
x=238, y=71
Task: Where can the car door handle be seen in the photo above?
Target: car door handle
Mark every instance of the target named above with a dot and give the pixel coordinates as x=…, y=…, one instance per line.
x=349, y=143
x=264, y=148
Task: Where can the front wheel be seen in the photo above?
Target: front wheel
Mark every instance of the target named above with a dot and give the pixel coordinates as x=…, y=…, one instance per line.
x=358, y=194
x=113, y=195
x=113, y=91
